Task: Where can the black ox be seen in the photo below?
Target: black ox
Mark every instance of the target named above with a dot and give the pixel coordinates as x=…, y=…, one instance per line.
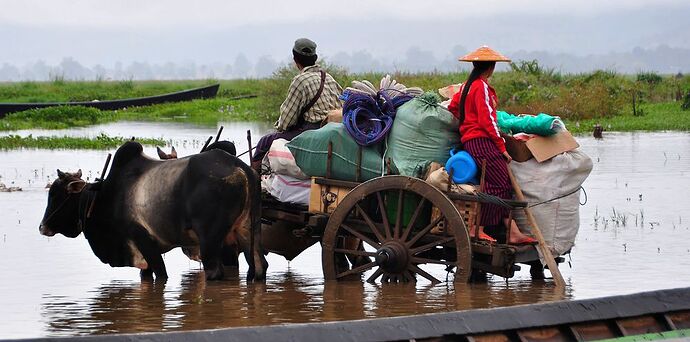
x=147, y=207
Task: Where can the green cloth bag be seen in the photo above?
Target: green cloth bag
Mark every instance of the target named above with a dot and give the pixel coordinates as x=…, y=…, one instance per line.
x=541, y=124
x=310, y=150
x=423, y=132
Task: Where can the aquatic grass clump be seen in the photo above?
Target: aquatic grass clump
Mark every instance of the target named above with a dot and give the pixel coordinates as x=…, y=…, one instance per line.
x=59, y=117
x=205, y=112
x=100, y=142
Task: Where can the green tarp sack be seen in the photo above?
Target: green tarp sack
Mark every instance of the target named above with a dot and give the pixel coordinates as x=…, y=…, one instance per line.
x=542, y=124
x=423, y=132
x=310, y=150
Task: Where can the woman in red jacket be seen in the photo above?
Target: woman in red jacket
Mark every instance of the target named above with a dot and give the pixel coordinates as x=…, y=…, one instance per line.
x=475, y=106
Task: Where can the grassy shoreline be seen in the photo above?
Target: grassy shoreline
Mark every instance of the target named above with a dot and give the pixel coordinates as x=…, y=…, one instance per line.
x=665, y=116
x=582, y=100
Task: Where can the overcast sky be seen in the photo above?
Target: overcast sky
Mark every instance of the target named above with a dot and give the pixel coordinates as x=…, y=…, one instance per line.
x=158, y=31
x=223, y=14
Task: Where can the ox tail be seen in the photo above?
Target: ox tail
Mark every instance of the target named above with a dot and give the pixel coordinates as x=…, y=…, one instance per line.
x=256, y=258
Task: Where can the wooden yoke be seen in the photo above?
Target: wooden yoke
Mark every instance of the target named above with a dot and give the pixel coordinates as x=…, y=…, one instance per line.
x=545, y=251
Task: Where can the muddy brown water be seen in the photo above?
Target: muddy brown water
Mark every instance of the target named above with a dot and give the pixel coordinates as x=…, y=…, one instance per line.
x=633, y=237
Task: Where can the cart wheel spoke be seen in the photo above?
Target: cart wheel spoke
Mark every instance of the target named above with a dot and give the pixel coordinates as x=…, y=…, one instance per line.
x=375, y=275
x=398, y=216
x=402, y=251
x=418, y=260
x=384, y=216
x=423, y=273
x=361, y=236
x=355, y=252
x=423, y=232
x=370, y=223
x=413, y=220
x=356, y=270
x=431, y=245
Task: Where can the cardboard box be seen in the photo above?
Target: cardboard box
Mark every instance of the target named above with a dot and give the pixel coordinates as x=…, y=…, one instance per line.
x=517, y=149
x=541, y=148
x=545, y=148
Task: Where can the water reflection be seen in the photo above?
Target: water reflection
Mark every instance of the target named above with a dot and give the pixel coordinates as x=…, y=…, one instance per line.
x=56, y=286
x=289, y=297
x=111, y=308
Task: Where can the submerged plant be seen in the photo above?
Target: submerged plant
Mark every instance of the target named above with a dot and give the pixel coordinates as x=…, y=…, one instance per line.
x=102, y=141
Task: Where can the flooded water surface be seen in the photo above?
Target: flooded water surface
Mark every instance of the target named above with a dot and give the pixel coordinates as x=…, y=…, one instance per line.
x=633, y=237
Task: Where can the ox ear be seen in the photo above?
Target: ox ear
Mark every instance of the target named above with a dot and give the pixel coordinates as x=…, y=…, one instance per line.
x=76, y=186
x=161, y=154
x=78, y=174
x=60, y=174
x=173, y=153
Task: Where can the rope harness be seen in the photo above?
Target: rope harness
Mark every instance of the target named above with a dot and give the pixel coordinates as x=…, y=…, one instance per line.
x=562, y=196
x=484, y=197
x=57, y=209
x=83, y=213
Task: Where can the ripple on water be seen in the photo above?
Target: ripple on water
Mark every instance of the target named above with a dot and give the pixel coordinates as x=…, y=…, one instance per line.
x=56, y=287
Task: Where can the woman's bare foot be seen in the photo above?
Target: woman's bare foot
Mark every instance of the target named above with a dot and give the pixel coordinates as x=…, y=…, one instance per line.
x=516, y=236
x=482, y=235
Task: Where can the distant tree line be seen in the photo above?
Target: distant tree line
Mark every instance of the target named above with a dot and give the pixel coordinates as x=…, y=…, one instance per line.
x=662, y=59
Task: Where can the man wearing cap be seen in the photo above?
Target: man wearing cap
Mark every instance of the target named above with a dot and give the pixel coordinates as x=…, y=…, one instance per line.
x=312, y=94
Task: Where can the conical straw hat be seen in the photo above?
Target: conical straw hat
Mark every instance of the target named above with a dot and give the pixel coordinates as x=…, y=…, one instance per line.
x=484, y=54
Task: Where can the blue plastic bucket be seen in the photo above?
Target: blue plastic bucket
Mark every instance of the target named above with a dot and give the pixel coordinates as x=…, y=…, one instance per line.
x=463, y=167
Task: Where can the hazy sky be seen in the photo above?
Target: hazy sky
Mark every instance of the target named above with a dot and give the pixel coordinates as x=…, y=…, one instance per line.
x=223, y=14
x=158, y=31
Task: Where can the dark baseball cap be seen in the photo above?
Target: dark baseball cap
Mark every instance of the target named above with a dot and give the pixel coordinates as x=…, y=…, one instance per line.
x=305, y=47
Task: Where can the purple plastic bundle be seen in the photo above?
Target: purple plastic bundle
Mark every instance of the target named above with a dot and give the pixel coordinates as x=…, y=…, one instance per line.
x=367, y=118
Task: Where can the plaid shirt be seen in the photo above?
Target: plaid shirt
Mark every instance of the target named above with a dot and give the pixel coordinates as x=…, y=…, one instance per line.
x=302, y=90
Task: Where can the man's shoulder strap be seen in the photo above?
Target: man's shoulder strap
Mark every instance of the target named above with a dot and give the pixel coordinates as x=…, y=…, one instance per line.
x=314, y=99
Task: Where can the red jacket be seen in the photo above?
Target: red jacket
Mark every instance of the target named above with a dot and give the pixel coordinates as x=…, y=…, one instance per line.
x=480, y=113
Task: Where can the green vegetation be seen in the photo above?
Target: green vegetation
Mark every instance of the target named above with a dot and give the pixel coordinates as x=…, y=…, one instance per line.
x=55, y=118
x=98, y=143
x=657, y=117
x=60, y=90
x=645, y=101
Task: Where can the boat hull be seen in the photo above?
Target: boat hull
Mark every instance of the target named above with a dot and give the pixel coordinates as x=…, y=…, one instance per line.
x=180, y=96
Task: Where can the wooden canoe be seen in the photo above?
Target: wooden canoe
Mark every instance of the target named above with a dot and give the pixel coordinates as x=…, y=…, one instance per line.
x=184, y=95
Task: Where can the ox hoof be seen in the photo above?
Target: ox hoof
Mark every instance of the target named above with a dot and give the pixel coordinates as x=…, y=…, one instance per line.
x=146, y=274
x=536, y=271
x=214, y=274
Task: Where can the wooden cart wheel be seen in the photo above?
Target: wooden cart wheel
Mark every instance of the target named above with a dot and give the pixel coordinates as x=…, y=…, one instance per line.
x=400, y=243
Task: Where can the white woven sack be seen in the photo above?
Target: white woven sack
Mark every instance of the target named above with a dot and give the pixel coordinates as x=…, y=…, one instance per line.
x=558, y=220
x=289, y=189
x=281, y=160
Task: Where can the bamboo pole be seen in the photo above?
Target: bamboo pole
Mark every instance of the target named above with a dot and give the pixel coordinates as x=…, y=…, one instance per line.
x=545, y=252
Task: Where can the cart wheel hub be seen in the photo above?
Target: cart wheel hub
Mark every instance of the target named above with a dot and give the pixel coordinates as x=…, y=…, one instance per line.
x=393, y=257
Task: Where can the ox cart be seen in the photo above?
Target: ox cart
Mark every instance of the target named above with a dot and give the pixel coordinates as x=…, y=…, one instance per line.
x=391, y=229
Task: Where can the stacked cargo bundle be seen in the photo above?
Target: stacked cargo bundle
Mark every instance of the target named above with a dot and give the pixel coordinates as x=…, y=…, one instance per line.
x=286, y=181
